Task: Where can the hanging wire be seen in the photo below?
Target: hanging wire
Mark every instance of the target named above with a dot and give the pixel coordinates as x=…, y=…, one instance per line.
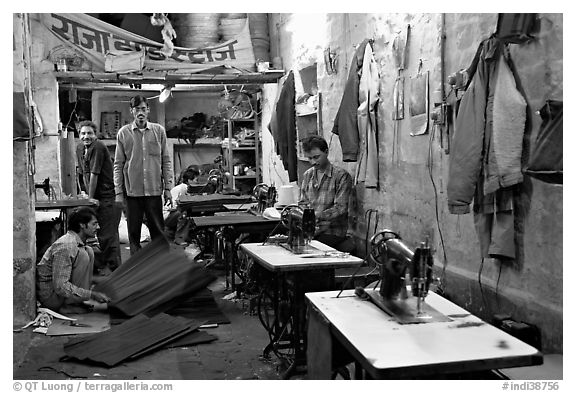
x=497, y=283
x=480, y=284
x=430, y=165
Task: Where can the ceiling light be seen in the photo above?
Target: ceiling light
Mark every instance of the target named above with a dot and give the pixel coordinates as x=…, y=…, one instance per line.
x=165, y=93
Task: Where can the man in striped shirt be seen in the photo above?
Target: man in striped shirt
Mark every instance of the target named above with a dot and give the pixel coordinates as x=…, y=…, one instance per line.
x=326, y=188
x=64, y=274
x=142, y=173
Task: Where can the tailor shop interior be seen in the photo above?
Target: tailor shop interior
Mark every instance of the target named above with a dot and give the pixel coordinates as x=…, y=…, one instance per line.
x=384, y=191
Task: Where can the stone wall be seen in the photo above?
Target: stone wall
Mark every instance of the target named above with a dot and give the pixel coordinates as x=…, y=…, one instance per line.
x=530, y=289
x=23, y=223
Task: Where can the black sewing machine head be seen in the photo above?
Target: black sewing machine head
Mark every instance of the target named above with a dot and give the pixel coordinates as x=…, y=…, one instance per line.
x=216, y=180
x=45, y=186
x=301, y=224
x=265, y=196
x=396, y=261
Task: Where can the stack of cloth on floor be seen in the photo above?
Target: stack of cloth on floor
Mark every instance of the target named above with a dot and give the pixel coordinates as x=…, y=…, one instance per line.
x=150, y=285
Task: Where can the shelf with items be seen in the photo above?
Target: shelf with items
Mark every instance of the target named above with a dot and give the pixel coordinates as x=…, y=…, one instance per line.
x=241, y=153
x=308, y=110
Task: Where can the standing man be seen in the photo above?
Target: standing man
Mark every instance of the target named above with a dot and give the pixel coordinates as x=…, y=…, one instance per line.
x=326, y=188
x=64, y=274
x=95, y=171
x=142, y=173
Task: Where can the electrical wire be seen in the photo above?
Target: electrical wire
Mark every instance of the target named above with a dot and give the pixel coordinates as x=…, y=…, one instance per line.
x=430, y=164
x=497, y=283
x=71, y=114
x=480, y=283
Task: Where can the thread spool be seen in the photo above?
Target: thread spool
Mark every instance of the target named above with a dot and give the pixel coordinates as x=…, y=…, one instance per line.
x=287, y=195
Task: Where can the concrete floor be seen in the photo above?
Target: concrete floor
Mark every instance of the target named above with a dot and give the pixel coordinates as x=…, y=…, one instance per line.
x=234, y=355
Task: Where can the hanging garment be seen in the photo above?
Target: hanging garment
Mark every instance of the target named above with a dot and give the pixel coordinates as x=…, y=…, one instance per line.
x=546, y=161
x=346, y=120
x=368, y=96
x=494, y=222
x=503, y=168
x=473, y=145
x=486, y=150
x=283, y=127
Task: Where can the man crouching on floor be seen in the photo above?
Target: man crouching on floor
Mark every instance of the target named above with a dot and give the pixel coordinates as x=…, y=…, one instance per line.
x=64, y=274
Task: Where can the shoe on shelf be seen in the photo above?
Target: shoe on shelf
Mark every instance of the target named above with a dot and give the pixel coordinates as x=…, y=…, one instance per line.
x=182, y=243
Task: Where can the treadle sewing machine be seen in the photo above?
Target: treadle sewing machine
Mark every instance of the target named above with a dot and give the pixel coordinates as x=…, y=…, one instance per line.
x=301, y=225
x=396, y=261
x=265, y=196
x=216, y=179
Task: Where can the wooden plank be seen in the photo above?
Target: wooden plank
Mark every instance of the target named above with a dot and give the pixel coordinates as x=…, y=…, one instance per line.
x=147, y=77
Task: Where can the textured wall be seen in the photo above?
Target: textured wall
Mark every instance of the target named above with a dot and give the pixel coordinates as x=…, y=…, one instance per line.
x=23, y=224
x=529, y=289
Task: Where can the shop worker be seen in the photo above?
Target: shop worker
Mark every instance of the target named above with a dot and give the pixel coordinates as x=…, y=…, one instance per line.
x=326, y=188
x=176, y=222
x=64, y=274
x=142, y=173
x=96, y=173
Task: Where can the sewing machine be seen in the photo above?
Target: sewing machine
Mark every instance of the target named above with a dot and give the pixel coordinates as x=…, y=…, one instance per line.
x=396, y=261
x=301, y=225
x=47, y=188
x=216, y=179
x=265, y=196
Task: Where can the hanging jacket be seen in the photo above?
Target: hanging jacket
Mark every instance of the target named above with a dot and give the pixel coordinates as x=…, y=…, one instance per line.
x=368, y=96
x=488, y=137
x=282, y=126
x=346, y=120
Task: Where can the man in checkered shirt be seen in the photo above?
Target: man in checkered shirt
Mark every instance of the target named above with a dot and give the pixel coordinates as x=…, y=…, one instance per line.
x=326, y=188
x=64, y=274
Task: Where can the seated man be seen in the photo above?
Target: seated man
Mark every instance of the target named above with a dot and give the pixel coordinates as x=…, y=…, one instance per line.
x=64, y=274
x=326, y=189
x=176, y=222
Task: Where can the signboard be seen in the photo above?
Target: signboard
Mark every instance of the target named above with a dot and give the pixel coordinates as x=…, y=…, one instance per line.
x=96, y=39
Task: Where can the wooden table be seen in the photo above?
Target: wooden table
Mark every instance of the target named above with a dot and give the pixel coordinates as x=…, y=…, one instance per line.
x=239, y=206
x=63, y=205
x=284, y=279
x=195, y=205
x=386, y=349
x=230, y=226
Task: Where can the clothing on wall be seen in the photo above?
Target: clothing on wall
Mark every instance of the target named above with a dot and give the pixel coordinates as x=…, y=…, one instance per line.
x=282, y=126
x=485, y=159
x=346, y=120
x=20, y=117
x=368, y=96
x=546, y=160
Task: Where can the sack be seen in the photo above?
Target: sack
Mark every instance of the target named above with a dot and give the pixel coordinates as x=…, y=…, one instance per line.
x=516, y=28
x=545, y=162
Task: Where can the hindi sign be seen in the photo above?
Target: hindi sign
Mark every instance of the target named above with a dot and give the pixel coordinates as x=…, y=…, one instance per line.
x=95, y=39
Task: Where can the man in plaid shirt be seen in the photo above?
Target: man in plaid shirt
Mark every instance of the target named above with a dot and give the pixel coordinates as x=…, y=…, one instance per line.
x=326, y=188
x=64, y=274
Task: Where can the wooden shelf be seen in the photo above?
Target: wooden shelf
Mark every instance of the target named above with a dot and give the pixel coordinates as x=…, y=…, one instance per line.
x=244, y=177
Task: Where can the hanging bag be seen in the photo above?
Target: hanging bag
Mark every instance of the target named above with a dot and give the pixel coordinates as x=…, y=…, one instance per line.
x=545, y=162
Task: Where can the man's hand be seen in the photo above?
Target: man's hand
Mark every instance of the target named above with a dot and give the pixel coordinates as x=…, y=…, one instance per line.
x=100, y=297
x=119, y=198
x=96, y=202
x=168, y=198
